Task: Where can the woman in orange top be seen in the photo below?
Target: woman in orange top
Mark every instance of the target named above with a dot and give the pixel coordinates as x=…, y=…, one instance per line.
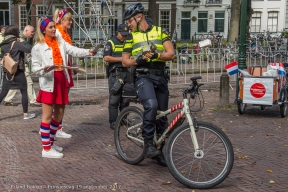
x=48, y=55
x=63, y=21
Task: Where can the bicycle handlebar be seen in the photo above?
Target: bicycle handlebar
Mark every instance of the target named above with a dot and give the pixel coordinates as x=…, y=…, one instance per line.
x=193, y=88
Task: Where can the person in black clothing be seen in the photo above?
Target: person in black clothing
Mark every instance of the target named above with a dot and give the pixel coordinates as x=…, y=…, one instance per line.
x=18, y=81
x=118, y=75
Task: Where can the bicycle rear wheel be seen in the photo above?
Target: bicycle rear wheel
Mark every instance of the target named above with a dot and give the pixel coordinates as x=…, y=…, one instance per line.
x=128, y=135
x=207, y=170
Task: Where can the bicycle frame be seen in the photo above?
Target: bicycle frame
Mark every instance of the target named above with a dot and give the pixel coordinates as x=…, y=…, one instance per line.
x=184, y=111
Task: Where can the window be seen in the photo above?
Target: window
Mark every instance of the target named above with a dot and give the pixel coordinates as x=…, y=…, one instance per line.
x=202, y=22
x=165, y=19
x=219, y=21
x=41, y=10
x=22, y=17
x=186, y=15
x=255, y=25
x=4, y=14
x=272, y=25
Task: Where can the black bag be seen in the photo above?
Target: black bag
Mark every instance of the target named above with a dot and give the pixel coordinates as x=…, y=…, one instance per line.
x=129, y=91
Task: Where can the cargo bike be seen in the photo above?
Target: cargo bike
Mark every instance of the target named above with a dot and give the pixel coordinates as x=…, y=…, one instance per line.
x=265, y=88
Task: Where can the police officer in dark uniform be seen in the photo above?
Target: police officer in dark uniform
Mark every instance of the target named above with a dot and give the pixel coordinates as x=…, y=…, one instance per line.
x=151, y=86
x=118, y=75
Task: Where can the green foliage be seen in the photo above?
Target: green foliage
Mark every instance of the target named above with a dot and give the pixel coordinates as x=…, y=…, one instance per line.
x=284, y=34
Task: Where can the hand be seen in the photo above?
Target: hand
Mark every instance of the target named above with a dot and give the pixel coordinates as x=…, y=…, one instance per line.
x=49, y=68
x=20, y=39
x=151, y=55
x=141, y=60
x=92, y=52
x=155, y=55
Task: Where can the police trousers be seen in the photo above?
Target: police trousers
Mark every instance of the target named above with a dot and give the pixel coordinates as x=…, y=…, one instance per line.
x=116, y=101
x=153, y=93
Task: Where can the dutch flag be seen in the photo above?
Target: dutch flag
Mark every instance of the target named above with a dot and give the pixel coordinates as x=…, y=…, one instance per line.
x=232, y=68
x=281, y=70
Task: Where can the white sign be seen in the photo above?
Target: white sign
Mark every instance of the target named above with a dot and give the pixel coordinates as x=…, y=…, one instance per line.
x=258, y=91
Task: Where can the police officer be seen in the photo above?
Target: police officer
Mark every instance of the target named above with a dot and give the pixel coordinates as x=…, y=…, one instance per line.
x=152, y=86
x=118, y=74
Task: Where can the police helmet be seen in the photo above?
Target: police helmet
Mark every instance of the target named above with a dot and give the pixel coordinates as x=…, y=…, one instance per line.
x=133, y=10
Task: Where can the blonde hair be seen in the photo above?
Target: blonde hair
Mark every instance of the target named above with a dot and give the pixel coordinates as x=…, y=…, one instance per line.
x=67, y=16
x=39, y=38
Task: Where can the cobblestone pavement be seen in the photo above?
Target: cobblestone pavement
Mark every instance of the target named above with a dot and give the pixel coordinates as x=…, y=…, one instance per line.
x=91, y=162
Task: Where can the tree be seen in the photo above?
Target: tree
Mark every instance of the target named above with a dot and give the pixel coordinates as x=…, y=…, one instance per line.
x=234, y=20
x=152, y=13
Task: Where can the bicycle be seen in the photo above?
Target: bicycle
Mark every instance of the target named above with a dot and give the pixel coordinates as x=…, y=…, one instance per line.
x=198, y=154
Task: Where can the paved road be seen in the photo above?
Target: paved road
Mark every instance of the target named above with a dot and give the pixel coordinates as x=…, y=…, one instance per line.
x=91, y=162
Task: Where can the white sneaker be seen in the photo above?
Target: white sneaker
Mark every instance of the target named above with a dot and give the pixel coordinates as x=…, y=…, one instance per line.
x=29, y=116
x=51, y=154
x=57, y=148
x=61, y=134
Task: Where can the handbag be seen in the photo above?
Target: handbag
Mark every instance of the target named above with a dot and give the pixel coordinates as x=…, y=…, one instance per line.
x=10, y=64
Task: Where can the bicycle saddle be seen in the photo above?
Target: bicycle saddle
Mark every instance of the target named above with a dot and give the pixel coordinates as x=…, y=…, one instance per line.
x=195, y=78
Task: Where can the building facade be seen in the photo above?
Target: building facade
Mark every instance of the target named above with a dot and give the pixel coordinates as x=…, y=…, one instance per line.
x=185, y=17
x=268, y=15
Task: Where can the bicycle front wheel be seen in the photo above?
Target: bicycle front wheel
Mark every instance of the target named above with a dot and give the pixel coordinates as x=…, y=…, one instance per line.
x=204, y=170
x=128, y=135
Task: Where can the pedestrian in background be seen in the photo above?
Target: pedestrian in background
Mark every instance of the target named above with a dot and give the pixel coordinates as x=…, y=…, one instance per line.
x=28, y=34
x=17, y=48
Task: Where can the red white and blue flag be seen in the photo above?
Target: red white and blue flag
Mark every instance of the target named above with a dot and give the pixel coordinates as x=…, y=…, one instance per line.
x=281, y=69
x=232, y=68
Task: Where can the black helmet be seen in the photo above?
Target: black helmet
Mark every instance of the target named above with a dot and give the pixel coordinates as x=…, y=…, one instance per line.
x=133, y=10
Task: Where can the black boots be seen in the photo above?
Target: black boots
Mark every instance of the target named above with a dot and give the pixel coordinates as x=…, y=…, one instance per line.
x=160, y=160
x=150, y=149
x=112, y=125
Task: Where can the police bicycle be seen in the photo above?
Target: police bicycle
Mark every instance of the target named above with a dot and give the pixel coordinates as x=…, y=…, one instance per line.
x=198, y=154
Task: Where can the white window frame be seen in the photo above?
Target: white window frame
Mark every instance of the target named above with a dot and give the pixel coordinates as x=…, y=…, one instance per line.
x=43, y=9
x=223, y=18
x=169, y=28
x=20, y=19
x=271, y=27
x=9, y=10
x=253, y=22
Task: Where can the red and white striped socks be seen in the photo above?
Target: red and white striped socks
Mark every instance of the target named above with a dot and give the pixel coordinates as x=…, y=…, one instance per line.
x=45, y=135
x=48, y=132
x=53, y=129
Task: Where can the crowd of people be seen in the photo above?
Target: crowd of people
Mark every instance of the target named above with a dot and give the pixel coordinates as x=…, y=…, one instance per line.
x=51, y=56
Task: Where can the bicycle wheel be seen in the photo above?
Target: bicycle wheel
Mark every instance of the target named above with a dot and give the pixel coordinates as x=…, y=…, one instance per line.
x=207, y=170
x=128, y=135
x=283, y=106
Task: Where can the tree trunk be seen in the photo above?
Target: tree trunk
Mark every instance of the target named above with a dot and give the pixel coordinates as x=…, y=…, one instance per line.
x=152, y=11
x=234, y=21
x=28, y=9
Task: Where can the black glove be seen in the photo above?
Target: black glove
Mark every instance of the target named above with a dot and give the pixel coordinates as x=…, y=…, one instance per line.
x=155, y=55
x=117, y=86
x=140, y=60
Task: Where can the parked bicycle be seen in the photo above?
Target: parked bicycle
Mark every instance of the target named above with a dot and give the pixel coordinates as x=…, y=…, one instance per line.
x=198, y=154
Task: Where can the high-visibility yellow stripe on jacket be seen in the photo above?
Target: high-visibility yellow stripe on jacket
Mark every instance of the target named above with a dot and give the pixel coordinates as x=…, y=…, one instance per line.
x=155, y=36
x=117, y=47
